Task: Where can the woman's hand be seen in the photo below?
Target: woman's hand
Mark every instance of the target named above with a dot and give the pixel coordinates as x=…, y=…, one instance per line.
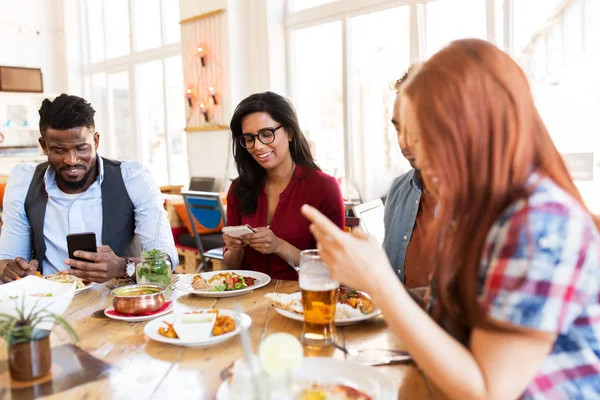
x=354, y=259
x=263, y=241
x=233, y=244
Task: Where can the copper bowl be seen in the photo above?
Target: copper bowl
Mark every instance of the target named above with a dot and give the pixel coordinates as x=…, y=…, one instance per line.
x=138, y=299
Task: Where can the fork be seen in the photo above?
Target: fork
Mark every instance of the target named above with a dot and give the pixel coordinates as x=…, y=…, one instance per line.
x=350, y=352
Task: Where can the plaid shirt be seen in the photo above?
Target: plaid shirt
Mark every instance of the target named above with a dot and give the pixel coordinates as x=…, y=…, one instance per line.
x=540, y=269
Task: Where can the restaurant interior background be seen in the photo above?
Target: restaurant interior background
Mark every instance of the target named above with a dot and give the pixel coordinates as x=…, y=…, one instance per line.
x=140, y=64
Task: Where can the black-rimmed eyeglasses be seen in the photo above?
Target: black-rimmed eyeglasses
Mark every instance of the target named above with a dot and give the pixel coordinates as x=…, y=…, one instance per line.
x=265, y=135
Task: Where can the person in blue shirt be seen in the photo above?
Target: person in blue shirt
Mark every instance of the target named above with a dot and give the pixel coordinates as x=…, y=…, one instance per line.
x=79, y=191
x=408, y=209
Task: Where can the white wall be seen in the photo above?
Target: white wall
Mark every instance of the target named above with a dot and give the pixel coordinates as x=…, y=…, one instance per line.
x=32, y=35
x=255, y=48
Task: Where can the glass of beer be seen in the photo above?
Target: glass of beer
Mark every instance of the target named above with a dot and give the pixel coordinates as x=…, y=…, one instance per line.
x=319, y=297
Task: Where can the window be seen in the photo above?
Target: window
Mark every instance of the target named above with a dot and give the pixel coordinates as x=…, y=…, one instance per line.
x=319, y=103
x=447, y=20
x=116, y=25
x=95, y=30
x=124, y=143
x=147, y=32
x=345, y=57
x=145, y=124
x=378, y=58
x=573, y=31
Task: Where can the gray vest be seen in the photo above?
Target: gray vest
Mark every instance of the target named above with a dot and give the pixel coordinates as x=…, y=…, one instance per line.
x=118, y=219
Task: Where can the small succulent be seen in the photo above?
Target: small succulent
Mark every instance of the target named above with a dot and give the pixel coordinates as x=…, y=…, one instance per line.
x=23, y=328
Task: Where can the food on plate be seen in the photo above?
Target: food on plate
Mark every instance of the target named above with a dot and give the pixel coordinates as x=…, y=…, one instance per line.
x=350, y=303
x=41, y=295
x=223, y=282
x=355, y=299
x=168, y=332
x=66, y=278
x=332, y=392
x=222, y=324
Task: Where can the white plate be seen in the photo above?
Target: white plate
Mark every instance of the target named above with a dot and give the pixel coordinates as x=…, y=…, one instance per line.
x=338, y=322
x=12, y=295
x=135, y=318
x=86, y=287
x=151, y=330
x=331, y=371
x=185, y=283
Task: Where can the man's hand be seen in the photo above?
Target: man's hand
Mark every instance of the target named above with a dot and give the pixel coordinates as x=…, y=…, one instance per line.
x=106, y=265
x=17, y=269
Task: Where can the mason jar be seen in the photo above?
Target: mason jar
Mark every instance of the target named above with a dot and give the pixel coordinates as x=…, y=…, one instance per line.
x=155, y=267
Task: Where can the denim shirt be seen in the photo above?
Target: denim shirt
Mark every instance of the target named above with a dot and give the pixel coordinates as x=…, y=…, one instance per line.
x=401, y=208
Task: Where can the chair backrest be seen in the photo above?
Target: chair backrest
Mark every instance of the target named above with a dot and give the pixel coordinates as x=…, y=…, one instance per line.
x=207, y=209
x=202, y=184
x=371, y=218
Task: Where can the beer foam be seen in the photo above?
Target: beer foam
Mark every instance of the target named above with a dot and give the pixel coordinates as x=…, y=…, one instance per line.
x=317, y=285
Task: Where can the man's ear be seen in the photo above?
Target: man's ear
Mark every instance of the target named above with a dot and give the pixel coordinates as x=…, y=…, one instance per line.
x=96, y=140
x=42, y=141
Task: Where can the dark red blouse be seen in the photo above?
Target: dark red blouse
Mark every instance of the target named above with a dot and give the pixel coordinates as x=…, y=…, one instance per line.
x=308, y=186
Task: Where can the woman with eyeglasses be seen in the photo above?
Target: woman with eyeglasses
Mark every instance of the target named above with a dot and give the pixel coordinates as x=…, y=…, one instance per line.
x=515, y=253
x=277, y=175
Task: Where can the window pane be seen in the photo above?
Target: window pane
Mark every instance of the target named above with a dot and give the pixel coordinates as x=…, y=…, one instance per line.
x=176, y=121
x=95, y=30
x=499, y=22
x=573, y=31
x=171, y=21
x=529, y=16
x=116, y=24
x=448, y=20
x=298, y=5
x=98, y=99
x=121, y=130
x=378, y=58
x=151, y=119
x=147, y=24
x=554, y=46
x=318, y=91
x=592, y=26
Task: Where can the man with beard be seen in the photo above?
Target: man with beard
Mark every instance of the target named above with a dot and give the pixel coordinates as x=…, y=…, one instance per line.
x=78, y=191
x=408, y=210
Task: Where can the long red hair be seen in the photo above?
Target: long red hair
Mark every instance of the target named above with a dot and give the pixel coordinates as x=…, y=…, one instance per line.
x=482, y=137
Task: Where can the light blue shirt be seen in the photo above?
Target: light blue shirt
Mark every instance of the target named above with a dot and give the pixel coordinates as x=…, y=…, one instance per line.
x=78, y=213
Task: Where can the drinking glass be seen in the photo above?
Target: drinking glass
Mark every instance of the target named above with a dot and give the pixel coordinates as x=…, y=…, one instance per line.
x=319, y=297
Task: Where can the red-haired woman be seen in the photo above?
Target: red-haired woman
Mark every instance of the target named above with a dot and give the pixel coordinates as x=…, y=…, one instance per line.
x=515, y=252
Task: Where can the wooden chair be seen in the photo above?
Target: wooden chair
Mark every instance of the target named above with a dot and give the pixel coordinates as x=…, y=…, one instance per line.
x=206, y=208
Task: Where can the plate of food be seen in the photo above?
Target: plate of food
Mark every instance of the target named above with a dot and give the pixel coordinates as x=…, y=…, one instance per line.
x=198, y=328
x=352, y=306
x=80, y=284
x=222, y=283
x=323, y=378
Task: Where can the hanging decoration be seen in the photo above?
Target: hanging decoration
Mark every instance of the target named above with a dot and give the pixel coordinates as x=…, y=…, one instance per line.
x=203, y=46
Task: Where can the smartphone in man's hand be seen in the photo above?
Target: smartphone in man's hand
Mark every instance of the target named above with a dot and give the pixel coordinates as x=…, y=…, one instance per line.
x=81, y=242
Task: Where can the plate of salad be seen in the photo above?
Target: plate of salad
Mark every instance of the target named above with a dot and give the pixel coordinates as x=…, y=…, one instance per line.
x=222, y=283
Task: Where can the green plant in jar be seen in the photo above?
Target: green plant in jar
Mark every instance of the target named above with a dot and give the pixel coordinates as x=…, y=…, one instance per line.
x=154, y=268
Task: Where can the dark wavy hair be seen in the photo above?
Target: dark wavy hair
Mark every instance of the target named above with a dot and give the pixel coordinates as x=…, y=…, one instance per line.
x=66, y=112
x=252, y=175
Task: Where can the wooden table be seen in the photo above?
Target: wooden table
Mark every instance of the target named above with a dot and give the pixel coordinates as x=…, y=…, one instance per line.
x=144, y=369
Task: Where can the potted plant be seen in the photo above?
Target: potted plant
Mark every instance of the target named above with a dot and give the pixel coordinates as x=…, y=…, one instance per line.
x=29, y=354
